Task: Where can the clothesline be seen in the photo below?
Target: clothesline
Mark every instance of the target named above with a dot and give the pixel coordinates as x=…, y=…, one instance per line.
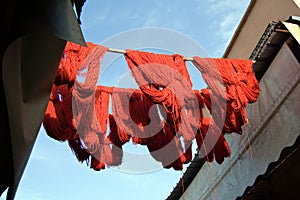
x=124, y=51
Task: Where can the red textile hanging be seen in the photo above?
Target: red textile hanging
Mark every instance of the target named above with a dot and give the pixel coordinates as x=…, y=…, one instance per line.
x=136, y=115
x=165, y=80
x=59, y=120
x=145, y=114
x=102, y=98
x=91, y=118
x=118, y=138
x=241, y=87
x=120, y=109
x=58, y=117
x=166, y=148
x=210, y=139
x=212, y=145
x=73, y=56
x=158, y=115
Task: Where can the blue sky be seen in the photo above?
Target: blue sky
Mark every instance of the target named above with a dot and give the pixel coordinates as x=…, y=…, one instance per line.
x=53, y=171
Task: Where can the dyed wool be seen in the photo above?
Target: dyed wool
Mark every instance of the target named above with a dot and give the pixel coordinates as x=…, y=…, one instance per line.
x=165, y=80
x=162, y=111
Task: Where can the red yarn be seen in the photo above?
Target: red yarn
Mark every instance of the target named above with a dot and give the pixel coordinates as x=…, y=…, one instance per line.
x=165, y=80
x=120, y=109
x=211, y=143
x=79, y=149
x=57, y=120
x=118, y=138
x=210, y=139
x=166, y=148
x=78, y=111
x=241, y=86
x=102, y=97
x=145, y=114
x=90, y=124
x=72, y=59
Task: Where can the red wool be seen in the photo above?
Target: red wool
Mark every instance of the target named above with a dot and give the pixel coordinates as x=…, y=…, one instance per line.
x=240, y=87
x=118, y=138
x=165, y=80
x=162, y=112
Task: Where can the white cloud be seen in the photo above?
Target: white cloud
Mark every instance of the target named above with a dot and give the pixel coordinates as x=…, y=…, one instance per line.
x=165, y=15
x=223, y=6
x=95, y=20
x=152, y=19
x=228, y=15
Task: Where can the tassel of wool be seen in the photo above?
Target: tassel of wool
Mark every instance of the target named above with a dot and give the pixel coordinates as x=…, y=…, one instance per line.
x=210, y=139
x=165, y=80
x=145, y=115
x=166, y=148
x=90, y=124
x=117, y=138
x=59, y=120
x=240, y=87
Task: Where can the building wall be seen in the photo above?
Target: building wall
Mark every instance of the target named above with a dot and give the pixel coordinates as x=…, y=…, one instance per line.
x=273, y=125
x=273, y=119
x=256, y=19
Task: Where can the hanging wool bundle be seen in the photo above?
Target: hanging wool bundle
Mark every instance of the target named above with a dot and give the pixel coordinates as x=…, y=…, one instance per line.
x=58, y=117
x=91, y=126
x=234, y=78
x=159, y=115
x=145, y=115
x=166, y=148
x=118, y=138
x=59, y=121
x=211, y=143
x=165, y=80
x=71, y=62
x=120, y=109
x=210, y=138
x=102, y=98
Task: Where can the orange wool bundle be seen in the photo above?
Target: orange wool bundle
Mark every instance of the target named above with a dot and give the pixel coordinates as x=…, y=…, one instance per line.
x=210, y=139
x=166, y=81
x=232, y=81
x=59, y=120
x=166, y=148
x=164, y=114
x=232, y=85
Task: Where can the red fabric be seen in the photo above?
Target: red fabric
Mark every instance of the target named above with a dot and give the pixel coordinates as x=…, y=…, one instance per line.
x=165, y=80
x=59, y=121
x=167, y=149
x=118, y=138
x=72, y=59
x=210, y=139
x=159, y=115
x=241, y=87
x=58, y=117
x=211, y=142
x=90, y=109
